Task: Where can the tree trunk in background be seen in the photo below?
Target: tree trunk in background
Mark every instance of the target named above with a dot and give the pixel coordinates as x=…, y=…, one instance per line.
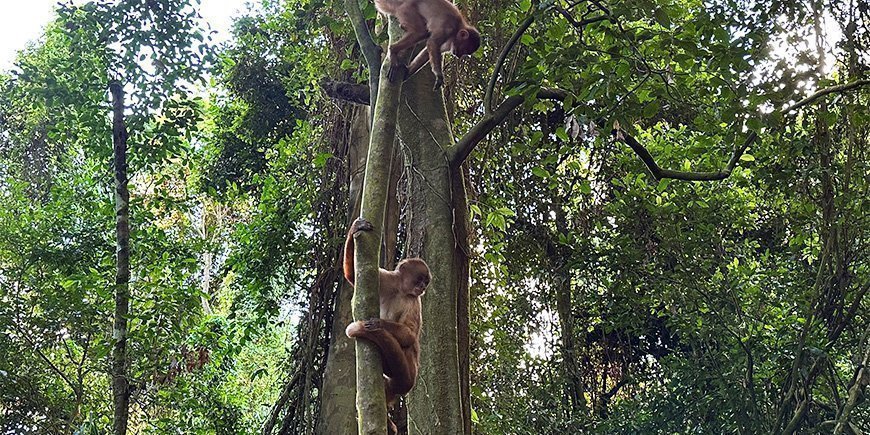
x=560, y=263
x=338, y=409
x=120, y=383
x=573, y=388
x=436, y=221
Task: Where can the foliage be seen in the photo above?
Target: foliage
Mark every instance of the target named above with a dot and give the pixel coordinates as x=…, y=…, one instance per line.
x=603, y=300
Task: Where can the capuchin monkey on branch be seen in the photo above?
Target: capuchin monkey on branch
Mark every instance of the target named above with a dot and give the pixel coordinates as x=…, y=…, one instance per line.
x=439, y=21
x=397, y=332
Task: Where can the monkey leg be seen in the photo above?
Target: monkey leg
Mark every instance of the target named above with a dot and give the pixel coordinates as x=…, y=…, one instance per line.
x=433, y=46
x=415, y=31
x=403, y=334
x=400, y=364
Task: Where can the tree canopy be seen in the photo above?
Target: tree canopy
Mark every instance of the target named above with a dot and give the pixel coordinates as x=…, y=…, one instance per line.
x=645, y=216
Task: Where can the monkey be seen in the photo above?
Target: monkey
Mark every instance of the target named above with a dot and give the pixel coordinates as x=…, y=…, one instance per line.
x=397, y=332
x=438, y=21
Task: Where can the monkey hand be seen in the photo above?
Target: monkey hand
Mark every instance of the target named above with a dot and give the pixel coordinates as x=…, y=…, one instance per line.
x=439, y=80
x=398, y=72
x=360, y=224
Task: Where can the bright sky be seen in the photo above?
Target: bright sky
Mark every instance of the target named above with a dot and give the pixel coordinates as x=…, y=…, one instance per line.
x=23, y=21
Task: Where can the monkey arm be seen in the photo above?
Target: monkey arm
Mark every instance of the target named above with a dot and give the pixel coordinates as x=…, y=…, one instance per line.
x=358, y=225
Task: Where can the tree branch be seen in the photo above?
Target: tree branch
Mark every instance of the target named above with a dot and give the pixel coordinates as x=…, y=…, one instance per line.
x=499, y=64
x=622, y=136
x=821, y=93
x=478, y=132
x=659, y=173
x=350, y=92
x=371, y=51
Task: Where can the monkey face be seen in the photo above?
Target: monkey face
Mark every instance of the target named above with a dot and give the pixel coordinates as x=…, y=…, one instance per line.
x=415, y=276
x=466, y=42
x=419, y=284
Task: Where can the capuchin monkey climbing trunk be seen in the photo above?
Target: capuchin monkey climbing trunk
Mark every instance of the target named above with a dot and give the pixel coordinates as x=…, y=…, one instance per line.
x=397, y=332
x=440, y=23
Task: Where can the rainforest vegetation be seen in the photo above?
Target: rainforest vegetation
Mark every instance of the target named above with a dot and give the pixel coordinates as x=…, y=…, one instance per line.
x=640, y=216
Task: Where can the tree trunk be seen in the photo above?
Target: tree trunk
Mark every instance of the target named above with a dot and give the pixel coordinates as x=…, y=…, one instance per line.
x=573, y=388
x=370, y=400
x=437, y=223
x=120, y=383
x=338, y=410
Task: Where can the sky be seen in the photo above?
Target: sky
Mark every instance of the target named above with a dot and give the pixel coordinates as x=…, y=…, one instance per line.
x=22, y=22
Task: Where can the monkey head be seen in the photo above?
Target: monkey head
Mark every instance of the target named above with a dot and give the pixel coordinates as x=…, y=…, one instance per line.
x=415, y=276
x=466, y=41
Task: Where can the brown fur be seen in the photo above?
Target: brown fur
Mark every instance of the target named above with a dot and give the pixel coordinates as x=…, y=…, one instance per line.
x=437, y=21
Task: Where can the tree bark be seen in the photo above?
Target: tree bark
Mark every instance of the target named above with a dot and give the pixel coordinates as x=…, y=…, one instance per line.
x=437, y=222
x=120, y=383
x=338, y=411
x=370, y=400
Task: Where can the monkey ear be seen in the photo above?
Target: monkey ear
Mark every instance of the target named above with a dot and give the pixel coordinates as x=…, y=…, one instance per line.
x=462, y=34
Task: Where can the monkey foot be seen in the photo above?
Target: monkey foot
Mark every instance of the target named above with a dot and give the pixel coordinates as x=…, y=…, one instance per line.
x=372, y=324
x=356, y=329
x=439, y=80
x=397, y=73
x=361, y=224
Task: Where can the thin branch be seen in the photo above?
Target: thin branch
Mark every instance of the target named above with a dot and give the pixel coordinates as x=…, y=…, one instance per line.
x=269, y=424
x=622, y=136
x=371, y=51
x=821, y=93
x=659, y=173
x=489, y=121
x=43, y=357
x=499, y=64
x=579, y=24
x=856, y=390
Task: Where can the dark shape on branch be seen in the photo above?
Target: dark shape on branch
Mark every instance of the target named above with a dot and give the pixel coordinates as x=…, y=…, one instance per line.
x=350, y=92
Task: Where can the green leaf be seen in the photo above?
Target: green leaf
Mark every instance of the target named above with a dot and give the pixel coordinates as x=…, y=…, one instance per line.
x=525, y=5
x=651, y=109
x=663, y=184
x=747, y=158
x=540, y=172
x=321, y=159
x=662, y=17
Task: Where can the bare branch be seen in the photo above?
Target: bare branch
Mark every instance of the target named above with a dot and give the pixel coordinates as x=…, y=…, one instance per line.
x=350, y=92
x=478, y=132
x=659, y=173
x=499, y=64
x=371, y=51
x=821, y=93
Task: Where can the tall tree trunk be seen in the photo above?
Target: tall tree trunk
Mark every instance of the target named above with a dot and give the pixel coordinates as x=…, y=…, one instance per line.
x=437, y=228
x=338, y=409
x=120, y=383
x=370, y=400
